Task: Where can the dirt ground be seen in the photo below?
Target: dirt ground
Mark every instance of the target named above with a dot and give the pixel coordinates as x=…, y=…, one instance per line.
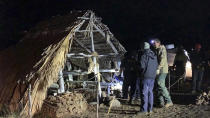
x=184, y=107
x=129, y=111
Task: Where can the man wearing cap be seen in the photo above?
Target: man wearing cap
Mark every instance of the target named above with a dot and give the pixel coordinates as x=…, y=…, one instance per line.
x=148, y=68
x=162, y=71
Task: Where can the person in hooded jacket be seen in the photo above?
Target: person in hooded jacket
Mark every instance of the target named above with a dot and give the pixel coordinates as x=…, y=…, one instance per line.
x=148, y=66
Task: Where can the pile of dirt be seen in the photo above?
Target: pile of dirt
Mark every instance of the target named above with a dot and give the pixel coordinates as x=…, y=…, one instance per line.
x=88, y=94
x=203, y=99
x=63, y=105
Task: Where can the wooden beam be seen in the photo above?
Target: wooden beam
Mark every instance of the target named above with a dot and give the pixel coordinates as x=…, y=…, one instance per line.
x=83, y=46
x=77, y=55
x=111, y=44
x=75, y=73
x=107, y=38
x=80, y=55
x=86, y=18
x=79, y=72
x=78, y=26
x=86, y=31
x=99, y=30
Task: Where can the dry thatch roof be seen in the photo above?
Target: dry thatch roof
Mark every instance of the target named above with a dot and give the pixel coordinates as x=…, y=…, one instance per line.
x=38, y=58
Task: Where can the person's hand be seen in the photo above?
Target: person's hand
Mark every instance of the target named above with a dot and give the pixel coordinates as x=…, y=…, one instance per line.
x=158, y=72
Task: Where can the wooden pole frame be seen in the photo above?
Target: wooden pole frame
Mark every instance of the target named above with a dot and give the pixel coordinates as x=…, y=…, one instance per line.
x=93, y=28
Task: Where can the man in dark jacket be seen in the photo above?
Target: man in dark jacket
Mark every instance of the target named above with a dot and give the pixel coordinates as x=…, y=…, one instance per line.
x=129, y=68
x=148, y=66
x=197, y=60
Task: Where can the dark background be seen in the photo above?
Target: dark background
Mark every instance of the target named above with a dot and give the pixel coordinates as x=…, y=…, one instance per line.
x=183, y=22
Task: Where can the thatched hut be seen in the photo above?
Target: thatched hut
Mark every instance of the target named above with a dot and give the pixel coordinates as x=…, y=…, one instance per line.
x=37, y=59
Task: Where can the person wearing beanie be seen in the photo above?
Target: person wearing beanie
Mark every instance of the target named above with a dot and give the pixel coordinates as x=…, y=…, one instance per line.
x=148, y=68
x=146, y=46
x=162, y=71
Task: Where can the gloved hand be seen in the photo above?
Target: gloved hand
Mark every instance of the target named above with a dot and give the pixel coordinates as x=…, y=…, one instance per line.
x=158, y=72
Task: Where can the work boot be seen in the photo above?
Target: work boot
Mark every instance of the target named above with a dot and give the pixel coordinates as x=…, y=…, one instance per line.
x=150, y=112
x=161, y=105
x=169, y=104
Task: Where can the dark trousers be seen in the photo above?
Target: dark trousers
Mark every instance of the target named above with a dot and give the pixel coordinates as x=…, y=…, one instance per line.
x=197, y=79
x=147, y=86
x=137, y=91
x=180, y=71
x=129, y=81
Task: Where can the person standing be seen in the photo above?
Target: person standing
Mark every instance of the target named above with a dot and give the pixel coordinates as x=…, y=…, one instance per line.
x=180, y=62
x=128, y=66
x=197, y=60
x=162, y=71
x=148, y=68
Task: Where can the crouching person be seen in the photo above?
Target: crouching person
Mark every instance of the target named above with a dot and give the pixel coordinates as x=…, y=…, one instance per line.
x=148, y=65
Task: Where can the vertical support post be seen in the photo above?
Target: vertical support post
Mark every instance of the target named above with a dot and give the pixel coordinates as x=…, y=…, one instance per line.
x=61, y=82
x=108, y=89
x=96, y=69
x=69, y=68
x=29, y=99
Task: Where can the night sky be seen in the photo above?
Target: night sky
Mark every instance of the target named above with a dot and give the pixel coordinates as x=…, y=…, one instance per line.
x=173, y=21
